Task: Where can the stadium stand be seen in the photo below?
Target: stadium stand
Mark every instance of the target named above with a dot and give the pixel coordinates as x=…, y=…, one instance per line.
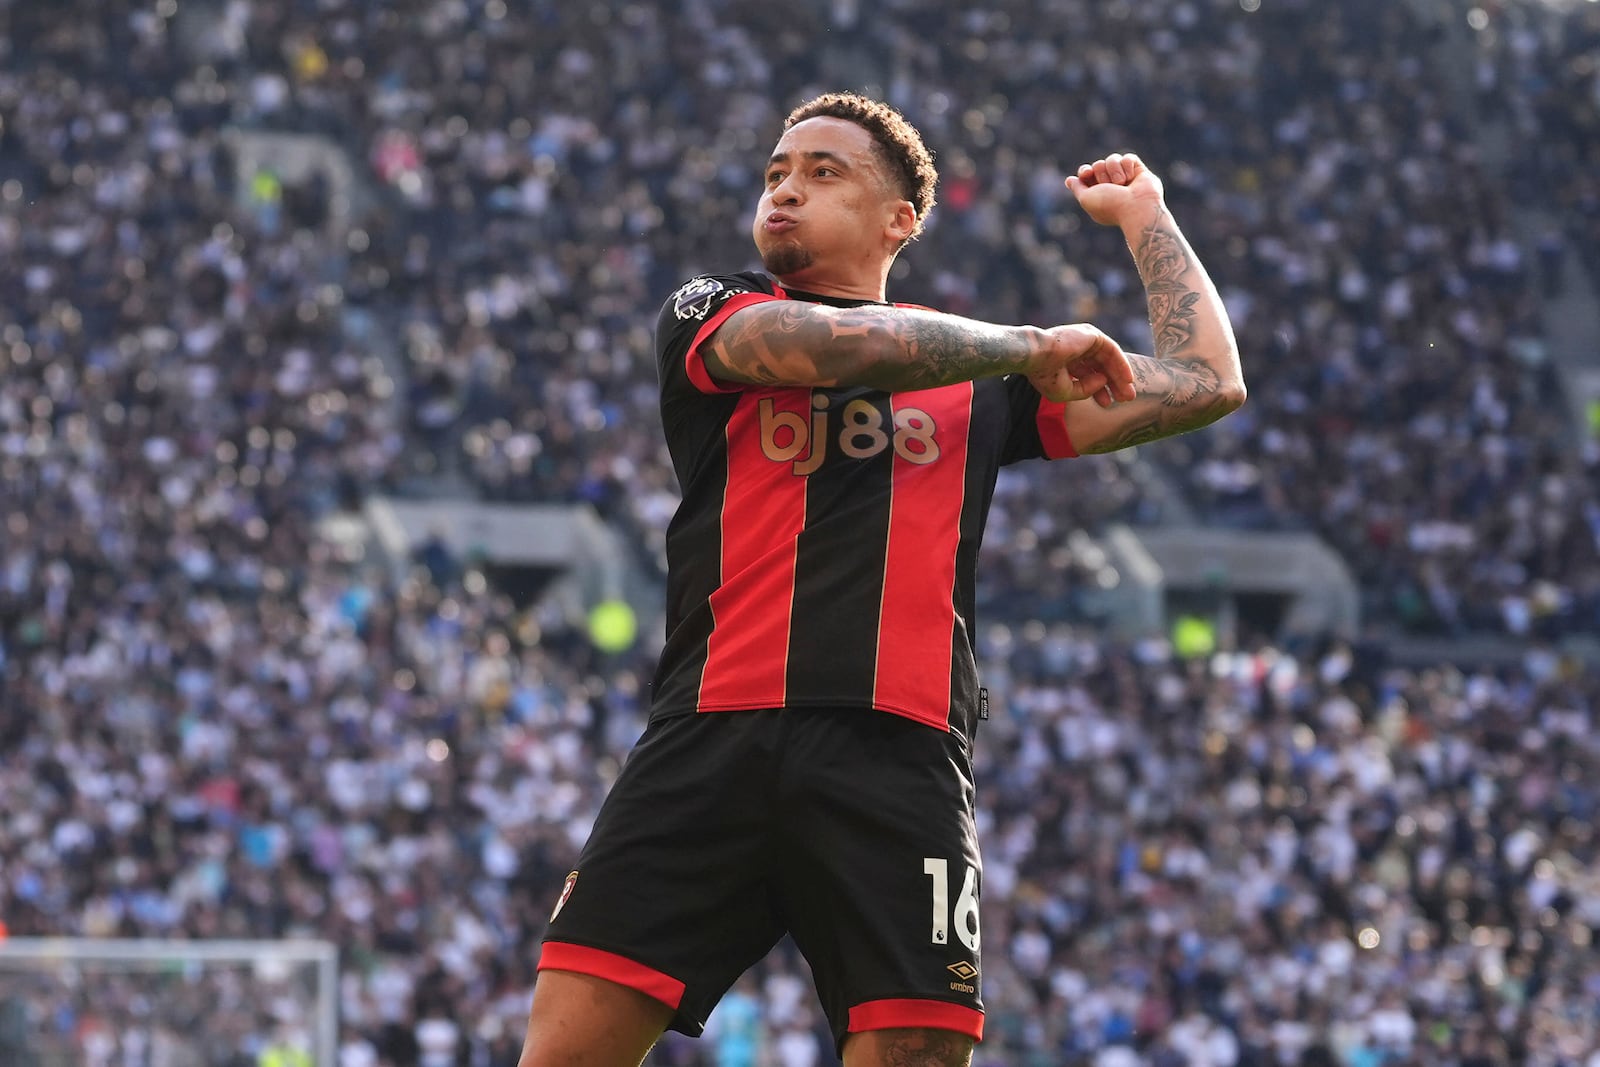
x=217, y=721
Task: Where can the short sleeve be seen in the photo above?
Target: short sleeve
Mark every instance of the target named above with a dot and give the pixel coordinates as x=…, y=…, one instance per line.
x=1038, y=427
x=692, y=314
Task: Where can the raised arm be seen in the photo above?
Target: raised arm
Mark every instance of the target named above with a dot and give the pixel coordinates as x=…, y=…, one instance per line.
x=1194, y=378
x=797, y=343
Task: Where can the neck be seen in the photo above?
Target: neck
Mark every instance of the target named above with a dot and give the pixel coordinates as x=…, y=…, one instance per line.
x=842, y=292
x=864, y=286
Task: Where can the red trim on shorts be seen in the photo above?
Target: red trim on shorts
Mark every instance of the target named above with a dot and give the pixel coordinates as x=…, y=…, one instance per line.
x=694, y=364
x=928, y=1014
x=1052, y=420
x=562, y=956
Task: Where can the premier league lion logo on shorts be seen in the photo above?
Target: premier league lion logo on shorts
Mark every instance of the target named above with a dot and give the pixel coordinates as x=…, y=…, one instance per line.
x=694, y=300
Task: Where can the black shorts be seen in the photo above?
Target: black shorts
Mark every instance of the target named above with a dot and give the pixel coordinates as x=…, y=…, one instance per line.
x=851, y=830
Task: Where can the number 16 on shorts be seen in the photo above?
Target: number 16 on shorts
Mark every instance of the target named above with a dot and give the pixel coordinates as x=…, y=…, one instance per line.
x=965, y=916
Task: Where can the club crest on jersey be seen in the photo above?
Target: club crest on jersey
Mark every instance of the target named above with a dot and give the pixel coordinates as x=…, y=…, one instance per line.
x=694, y=299
x=566, y=891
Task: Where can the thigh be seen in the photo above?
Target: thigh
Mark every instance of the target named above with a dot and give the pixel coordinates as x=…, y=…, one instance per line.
x=881, y=872
x=579, y=1020
x=908, y=1048
x=671, y=896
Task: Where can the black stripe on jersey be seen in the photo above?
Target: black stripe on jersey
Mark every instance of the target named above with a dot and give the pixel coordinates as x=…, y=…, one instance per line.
x=839, y=610
x=974, y=514
x=694, y=543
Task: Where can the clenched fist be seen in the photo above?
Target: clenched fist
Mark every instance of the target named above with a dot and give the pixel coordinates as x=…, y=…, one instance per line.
x=1112, y=189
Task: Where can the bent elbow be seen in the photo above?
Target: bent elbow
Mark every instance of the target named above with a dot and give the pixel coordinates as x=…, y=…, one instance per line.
x=1233, y=397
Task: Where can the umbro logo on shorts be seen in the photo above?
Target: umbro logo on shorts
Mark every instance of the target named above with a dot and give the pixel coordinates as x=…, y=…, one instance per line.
x=963, y=970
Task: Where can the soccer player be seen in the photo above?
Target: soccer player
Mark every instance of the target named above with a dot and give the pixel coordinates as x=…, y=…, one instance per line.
x=807, y=768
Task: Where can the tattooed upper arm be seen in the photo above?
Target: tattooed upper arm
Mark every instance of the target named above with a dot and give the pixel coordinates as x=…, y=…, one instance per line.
x=1175, y=396
x=783, y=342
x=889, y=348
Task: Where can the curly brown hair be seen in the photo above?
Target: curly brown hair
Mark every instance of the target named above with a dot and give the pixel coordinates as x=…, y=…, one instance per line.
x=900, y=146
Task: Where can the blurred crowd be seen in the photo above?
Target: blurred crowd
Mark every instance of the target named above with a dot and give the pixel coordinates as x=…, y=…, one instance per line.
x=1389, y=319
x=1538, y=69
x=217, y=722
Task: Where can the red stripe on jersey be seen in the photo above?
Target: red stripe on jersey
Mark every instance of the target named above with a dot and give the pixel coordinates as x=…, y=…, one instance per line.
x=695, y=365
x=562, y=956
x=763, y=512
x=1052, y=419
x=917, y=615
x=930, y=1014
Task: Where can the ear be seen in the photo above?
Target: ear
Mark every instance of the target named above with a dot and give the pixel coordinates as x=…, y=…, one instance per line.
x=902, y=222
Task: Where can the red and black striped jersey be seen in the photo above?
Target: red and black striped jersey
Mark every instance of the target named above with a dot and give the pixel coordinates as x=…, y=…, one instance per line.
x=825, y=551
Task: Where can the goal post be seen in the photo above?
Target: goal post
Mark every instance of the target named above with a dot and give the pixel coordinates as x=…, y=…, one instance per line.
x=185, y=1002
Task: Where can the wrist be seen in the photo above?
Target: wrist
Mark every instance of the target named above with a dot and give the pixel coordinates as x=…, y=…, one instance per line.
x=1033, y=351
x=1140, y=215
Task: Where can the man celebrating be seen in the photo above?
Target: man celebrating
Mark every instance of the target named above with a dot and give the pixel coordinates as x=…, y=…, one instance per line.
x=807, y=767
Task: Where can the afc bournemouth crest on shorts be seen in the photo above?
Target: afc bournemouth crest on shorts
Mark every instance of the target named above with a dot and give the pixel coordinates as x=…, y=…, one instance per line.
x=566, y=891
x=694, y=300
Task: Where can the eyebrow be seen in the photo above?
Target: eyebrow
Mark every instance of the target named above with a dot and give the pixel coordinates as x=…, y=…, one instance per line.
x=832, y=157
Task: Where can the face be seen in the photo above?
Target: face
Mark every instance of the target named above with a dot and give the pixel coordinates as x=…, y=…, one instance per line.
x=827, y=210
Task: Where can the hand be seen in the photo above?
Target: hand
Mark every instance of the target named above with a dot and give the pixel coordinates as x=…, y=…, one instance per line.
x=1111, y=189
x=1080, y=362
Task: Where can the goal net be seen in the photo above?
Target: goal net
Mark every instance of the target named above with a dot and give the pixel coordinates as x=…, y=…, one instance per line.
x=75, y=1002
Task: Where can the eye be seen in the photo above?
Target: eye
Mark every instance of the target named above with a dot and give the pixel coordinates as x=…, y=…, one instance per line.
x=826, y=172
x=774, y=177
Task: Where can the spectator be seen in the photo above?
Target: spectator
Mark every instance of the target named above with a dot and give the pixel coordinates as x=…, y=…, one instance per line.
x=226, y=728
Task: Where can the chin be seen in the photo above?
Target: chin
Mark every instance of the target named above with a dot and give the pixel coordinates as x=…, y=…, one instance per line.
x=786, y=259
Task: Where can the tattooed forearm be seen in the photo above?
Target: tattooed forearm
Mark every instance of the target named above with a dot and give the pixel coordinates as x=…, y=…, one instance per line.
x=791, y=343
x=1160, y=256
x=1172, y=319
x=1194, y=378
x=940, y=350
x=1164, y=265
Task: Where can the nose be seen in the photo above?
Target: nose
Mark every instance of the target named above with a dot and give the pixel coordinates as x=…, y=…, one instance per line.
x=787, y=191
